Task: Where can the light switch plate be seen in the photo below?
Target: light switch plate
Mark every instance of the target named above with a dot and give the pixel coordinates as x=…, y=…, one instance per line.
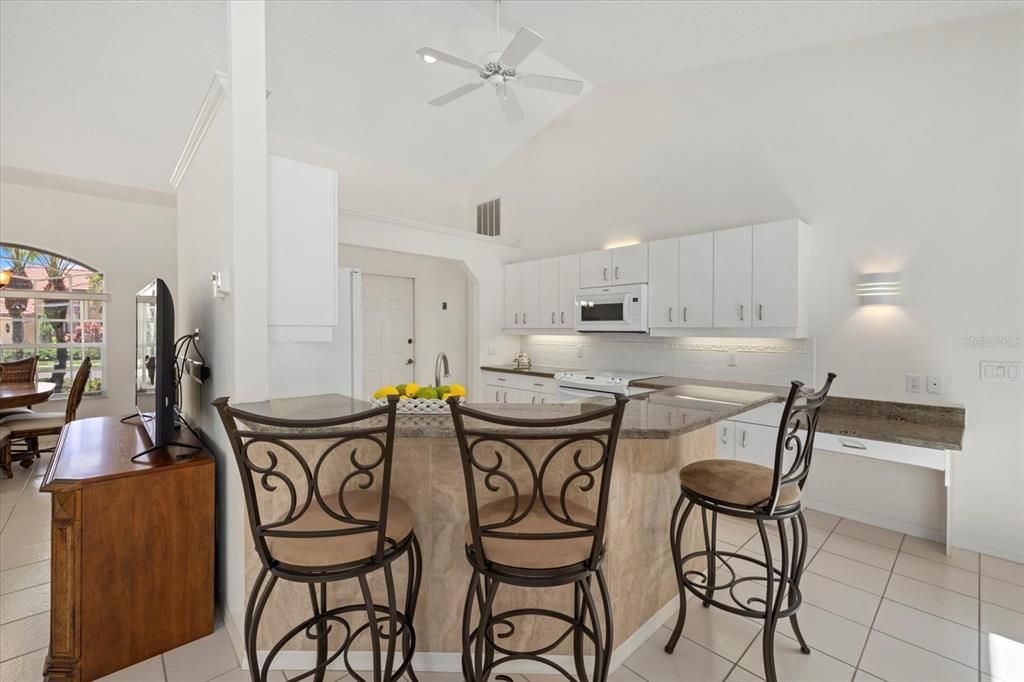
x=913, y=383
x=934, y=383
x=1000, y=371
x=579, y=354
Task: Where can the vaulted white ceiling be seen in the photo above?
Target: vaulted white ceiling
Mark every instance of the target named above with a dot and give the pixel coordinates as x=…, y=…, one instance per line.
x=107, y=90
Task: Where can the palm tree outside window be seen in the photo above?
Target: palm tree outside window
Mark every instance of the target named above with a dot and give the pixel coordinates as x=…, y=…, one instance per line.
x=53, y=307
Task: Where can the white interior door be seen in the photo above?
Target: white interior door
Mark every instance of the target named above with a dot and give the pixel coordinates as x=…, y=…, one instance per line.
x=389, y=349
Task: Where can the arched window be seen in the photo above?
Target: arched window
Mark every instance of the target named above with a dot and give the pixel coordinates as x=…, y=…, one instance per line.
x=53, y=307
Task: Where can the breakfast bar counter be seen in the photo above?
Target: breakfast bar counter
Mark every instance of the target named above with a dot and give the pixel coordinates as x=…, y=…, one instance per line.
x=661, y=432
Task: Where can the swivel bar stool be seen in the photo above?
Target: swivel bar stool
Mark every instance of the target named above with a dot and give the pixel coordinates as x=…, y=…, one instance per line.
x=750, y=491
x=537, y=491
x=322, y=518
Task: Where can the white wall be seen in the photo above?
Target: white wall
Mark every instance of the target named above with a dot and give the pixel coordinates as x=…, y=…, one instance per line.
x=435, y=280
x=902, y=152
x=127, y=234
x=378, y=187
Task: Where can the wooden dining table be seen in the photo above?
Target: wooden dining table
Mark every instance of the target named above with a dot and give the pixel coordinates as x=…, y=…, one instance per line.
x=25, y=393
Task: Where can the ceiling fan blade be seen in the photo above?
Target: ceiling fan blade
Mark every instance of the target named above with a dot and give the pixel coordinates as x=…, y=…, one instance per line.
x=525, y=42
x=565, y=86
x=447, y=58
x=455, y=94
x=509, y=103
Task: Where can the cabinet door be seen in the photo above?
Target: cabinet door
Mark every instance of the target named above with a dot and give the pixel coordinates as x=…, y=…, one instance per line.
x=550, y=303
x=663, y=292
x=513, y=283
x=756, y=444
x=568, y=283
x=595, y=268
x=629, y=264
x=732, y=277
x=725, y=440
x=775, y=274
x=696, y=280
x=531, y=294
x=492, y=393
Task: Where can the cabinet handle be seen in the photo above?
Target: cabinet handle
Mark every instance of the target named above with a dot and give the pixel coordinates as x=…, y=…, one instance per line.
x=616, y=272
x=533, y=399
x=760, y=311
x=543, y=400
x=524, y=318
x=853, y=445
x=670, y=313
x=517, y=318
x=563, y=317
x=552, y=317
x=604, y=276
x=497, y=396
x=743, y=438
x=741, y=312
x=725, y=434
x=501, y=379
x=684, y=313
x=505, y=397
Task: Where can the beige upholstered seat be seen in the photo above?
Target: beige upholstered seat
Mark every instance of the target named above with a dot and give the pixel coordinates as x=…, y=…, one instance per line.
x=735, y=483
x=343, y=549
x=33, y=421
x=532, y=552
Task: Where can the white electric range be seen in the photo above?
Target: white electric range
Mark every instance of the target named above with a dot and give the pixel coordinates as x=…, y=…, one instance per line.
x=600, y=383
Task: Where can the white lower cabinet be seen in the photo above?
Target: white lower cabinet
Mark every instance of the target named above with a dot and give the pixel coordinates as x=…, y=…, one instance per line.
x=517, y=388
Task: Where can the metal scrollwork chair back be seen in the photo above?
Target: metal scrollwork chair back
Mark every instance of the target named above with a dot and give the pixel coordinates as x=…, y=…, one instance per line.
x=539, y=498
x=357, y=449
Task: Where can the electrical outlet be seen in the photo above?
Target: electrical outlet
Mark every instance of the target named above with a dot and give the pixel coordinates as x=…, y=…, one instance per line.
x=913, y=383
x=732, y=358
x=491, y=350
x=1000, y=371
x=579, y=350
x=934, y=383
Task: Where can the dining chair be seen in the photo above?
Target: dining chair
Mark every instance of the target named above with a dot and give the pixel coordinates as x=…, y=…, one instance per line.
x=18, y=371
x=30, y=426
x=767, y=496
x=5, y=451
x=320, y=519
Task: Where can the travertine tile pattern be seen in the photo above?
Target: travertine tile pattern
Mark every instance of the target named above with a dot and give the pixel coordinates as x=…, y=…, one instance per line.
x=925, y=617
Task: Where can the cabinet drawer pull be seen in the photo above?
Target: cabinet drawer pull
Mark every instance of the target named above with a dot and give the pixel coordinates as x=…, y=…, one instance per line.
x=852, y=444
x=501, y=379
x=541, y=385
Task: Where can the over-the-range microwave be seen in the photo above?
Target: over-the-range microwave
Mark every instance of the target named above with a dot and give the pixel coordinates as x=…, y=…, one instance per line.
x=620, y=308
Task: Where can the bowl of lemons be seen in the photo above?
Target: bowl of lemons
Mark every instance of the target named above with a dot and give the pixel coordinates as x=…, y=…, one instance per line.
x=416, y=399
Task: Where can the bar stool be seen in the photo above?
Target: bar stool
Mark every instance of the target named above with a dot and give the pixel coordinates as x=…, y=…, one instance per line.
x=750, y=491
x=326, y=518
x=536, y=522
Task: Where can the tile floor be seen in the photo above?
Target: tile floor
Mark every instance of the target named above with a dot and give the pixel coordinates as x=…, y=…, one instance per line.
x=878, y=606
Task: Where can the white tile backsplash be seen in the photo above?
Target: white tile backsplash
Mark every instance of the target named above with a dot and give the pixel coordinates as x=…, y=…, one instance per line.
x=765, y=361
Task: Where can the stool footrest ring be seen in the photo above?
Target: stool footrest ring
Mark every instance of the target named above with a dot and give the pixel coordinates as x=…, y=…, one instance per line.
x=740, y=605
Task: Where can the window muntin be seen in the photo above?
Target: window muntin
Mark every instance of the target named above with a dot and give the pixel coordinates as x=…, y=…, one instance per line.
x=53, y=307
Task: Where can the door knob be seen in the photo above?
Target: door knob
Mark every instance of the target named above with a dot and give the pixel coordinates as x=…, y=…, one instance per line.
x=409, y=361
x=408, y=340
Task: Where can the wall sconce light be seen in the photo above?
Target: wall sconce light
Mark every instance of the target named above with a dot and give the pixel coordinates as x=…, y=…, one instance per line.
x=879, y=288
x=5, y=278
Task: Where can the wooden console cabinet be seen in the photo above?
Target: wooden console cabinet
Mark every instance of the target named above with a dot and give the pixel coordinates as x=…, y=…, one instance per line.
x=133, y=550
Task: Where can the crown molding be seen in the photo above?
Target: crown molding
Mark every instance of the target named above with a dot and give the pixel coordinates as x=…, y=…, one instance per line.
x=64, y=183
x=220, y=85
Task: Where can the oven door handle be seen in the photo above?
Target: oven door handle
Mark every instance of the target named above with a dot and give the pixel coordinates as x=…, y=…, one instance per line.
x=582, y=393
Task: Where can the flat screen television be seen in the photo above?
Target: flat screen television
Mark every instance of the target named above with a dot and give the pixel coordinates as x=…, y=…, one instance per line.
x=155, y=391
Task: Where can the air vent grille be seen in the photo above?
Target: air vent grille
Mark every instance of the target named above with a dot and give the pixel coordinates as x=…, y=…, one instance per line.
x=488, y=218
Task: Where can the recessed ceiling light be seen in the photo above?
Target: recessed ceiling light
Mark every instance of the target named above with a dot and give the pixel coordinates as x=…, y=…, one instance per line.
x=429, y=58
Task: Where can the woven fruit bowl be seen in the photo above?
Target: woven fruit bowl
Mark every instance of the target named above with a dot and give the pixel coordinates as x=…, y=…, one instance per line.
x=417, y=405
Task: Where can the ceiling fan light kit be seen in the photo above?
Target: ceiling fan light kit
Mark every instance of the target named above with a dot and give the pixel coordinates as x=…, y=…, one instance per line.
x=500, y=70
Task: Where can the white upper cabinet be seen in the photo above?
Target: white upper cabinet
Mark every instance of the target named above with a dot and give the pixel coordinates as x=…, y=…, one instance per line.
x=302, y=222
x=549, y=298
x=568, y=283
x=732, y=277
x=513, y=283
x=779, y=268
x=629, y=264
x=624, y=265
x=595, y=268
x=531, y=293
x=696, y=281
x=663, y=289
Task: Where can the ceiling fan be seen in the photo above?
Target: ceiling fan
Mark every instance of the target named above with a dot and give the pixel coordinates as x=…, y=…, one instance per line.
x=500, y=70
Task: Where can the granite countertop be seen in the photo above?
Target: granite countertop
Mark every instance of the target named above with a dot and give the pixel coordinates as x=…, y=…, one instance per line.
x=655, y=415
x=548, y=371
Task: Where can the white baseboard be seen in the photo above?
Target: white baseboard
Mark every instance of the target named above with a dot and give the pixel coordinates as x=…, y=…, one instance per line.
x=886, y=522
x=1000, y=551
x=234, y=633
x=449, y=662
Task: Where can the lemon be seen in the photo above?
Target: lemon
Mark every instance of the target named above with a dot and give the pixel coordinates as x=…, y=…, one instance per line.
x=458, y=389
x=427, y=393
x=385, y=391
x=412, y=389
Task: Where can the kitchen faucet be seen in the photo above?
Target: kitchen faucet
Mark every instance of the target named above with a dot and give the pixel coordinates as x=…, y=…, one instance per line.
x=439, y=363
